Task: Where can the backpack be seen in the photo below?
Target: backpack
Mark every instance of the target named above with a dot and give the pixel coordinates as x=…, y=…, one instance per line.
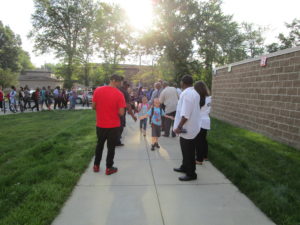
x=152, y=113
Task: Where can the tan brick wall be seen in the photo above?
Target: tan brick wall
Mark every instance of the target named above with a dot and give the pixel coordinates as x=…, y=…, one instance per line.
x=262, y=99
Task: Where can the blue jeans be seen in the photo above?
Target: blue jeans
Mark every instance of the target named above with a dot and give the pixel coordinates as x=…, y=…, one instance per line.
x=143, y=123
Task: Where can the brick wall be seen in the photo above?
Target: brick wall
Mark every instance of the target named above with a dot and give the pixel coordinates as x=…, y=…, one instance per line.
x=262, y=99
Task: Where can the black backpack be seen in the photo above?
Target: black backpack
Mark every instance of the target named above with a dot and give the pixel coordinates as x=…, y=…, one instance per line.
x=152, y=113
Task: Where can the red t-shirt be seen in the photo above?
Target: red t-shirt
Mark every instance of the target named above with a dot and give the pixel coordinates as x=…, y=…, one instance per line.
x=1, y=96
x=108, y=102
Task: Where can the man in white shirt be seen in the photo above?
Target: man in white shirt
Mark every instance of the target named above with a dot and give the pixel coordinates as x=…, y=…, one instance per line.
x=188, y=124
x=169, y=97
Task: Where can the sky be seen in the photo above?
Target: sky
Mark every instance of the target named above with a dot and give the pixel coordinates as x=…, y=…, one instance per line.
x=268, y=13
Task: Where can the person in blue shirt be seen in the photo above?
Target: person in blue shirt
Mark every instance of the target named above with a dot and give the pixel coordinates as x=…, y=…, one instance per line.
x=155, y=114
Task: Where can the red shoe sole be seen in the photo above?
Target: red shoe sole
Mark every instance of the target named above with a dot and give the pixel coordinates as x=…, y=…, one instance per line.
x=111, y=172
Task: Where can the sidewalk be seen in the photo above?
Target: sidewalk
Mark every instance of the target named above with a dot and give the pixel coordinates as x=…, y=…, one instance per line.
x=146, y=191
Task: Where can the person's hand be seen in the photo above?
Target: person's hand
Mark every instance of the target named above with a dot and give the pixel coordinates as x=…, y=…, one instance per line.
x=177, y=130
x=134, y=118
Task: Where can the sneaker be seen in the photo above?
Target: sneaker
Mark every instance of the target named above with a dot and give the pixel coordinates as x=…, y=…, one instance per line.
x=156, y=145
x=152, y=147
x=111, y=170
x=96, y=168
x=119, y=145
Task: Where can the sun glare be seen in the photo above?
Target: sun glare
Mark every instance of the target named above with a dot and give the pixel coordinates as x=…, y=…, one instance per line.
x=140, y=13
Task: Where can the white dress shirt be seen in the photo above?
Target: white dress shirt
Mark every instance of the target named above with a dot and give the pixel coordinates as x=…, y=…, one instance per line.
x=188, y=106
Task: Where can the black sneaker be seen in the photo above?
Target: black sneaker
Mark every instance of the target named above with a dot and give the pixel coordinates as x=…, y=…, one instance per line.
x=119, y=145
x=152, y=147
x=156, y=145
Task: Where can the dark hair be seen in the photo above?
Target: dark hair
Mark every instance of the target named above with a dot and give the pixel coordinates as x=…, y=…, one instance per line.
x=115, y=77
x=202, y=90
x=187, y=80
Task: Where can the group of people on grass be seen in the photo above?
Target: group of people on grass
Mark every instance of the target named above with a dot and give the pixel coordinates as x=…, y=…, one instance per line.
x=175, y=111
x=24, y=99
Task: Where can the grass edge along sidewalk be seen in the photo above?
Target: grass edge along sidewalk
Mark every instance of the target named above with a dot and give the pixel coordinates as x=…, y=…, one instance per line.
x=266, y=171
x=36, y=182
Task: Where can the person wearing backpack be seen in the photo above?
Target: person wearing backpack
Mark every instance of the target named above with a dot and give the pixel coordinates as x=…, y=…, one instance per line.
x=143, y=108
x=155, y=113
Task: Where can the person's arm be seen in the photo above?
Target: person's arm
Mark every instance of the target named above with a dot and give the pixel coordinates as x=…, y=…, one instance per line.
x=94, y=106
x=129, y=108
x=143, y=117
x=170, y=117
x=182, y=122
x=121, y=111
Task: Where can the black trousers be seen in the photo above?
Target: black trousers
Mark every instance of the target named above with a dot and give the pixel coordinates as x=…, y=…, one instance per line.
x=36, y=105
x=169, y=124
x=110, y=135
x=201, y=145
x=121, y=128
x=27, y=101
x=57, y=102
x=188, y=156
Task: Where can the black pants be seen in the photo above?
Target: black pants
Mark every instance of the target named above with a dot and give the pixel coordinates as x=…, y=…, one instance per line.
x=36, y=105
x=188, y=156
x=169, y=124
x=201, y=145
x=110, y=135
x=121, y=128
x=57, y=102
x=27, y=101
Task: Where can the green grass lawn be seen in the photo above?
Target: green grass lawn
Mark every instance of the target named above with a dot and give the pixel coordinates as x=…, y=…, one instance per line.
x=266, y=171
x=42, y=156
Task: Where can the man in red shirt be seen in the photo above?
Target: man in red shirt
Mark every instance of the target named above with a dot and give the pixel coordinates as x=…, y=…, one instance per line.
x=109, y=104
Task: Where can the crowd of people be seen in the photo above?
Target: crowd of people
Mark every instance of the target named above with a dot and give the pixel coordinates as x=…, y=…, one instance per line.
x=41, y=99
x=174, y=111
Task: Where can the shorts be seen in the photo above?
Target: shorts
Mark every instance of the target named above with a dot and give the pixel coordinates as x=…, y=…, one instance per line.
x=156, y=130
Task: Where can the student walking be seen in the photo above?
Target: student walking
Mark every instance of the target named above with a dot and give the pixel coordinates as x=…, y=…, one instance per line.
x=155, y=113
x=205, y=105
x=143, y=109
x=36, y=98
x=109, y=104
x=12, y=100
x=43, y=98
x=27, y=98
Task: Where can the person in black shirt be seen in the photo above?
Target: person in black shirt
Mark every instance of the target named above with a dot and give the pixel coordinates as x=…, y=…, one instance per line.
x=124, y=89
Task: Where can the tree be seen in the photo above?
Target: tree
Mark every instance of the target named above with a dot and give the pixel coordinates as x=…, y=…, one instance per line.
x=218, y=38
x=24, y=60
x=287, y=41
x=88, y=42
x=253, y=39
x=59, y=26
x=113, y=35
x=10, y=47
x=12, y=57
x=172, y=34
